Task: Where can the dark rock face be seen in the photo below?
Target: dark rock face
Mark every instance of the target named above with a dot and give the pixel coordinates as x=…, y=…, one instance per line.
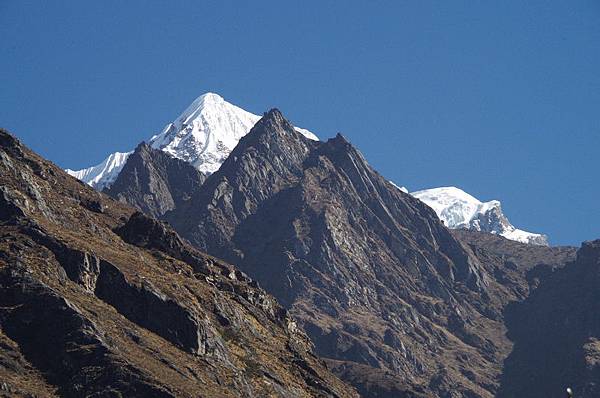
x=72, y=345
x=146, y=306
x=556, y=333
x=155, y=182
x=370, y=273
x=98, y=300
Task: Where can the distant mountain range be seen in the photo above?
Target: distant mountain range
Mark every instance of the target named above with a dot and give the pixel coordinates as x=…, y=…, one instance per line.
x=209, y=129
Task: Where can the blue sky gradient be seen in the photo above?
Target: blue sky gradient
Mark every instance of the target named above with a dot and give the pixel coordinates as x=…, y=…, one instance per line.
x=501, y=99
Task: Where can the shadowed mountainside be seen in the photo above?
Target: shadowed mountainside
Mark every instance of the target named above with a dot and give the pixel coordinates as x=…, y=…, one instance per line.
x=556, y=332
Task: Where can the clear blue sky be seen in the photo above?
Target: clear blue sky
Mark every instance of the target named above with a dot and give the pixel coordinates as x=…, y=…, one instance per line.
x=499, y=98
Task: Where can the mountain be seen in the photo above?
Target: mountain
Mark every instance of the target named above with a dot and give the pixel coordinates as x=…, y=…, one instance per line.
x=207, y=131
x=396, y=303
x=203, y=135
x=99, y=300
x=154, y=182
x=459, y=210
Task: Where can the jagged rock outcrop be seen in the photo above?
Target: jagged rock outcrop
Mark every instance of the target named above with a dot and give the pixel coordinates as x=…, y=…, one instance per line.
x=556, y=333
x=98, y=300
x=155, y=182
x=396, y=302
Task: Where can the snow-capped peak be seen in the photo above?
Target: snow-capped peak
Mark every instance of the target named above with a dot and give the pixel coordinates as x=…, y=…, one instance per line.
x=207, y=131
x=459, y=210
x=203, y=135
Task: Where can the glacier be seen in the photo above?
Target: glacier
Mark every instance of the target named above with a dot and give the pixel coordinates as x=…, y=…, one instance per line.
x=204, y=135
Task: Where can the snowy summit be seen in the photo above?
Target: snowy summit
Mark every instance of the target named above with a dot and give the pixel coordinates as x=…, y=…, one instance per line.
x=203, y=135
x=459, y=210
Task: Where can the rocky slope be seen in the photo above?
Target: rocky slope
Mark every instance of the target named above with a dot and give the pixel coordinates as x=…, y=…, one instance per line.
x=203, y=135
x=99, y=300
x=396, y=302
x=459, y=210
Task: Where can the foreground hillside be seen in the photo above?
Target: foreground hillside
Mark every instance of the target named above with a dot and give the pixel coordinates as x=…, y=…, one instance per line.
x=99, y=300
